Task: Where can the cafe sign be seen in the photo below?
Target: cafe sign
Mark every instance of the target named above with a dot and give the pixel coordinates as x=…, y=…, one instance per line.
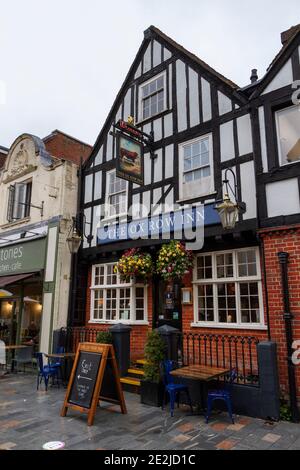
x=23, y=257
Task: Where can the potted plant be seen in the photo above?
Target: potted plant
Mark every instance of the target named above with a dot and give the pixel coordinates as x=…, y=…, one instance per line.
x=174, y=261
x=104, y=337
x=152, y=388
x=135, y=264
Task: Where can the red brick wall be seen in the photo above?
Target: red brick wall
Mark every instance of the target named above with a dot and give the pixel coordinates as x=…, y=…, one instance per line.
x=65, y=147
x=276, y=240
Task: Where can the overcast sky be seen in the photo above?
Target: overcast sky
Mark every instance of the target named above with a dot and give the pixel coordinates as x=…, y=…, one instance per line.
x=63, y=61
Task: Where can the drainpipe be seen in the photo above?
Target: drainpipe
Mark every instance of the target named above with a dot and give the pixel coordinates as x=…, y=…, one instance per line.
x=262, y=253
x=283, y=261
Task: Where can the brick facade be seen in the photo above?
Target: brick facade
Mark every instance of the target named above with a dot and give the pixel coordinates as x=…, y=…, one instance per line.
x=274, y=241
x=65, y=147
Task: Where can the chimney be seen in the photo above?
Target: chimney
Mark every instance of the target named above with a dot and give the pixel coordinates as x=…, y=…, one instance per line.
x=286, y=35
x=254, y=76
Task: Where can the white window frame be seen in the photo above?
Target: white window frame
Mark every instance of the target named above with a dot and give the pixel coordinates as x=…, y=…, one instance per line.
x=107, y=216
x=181, y=168
x=280, y=156
x=119, y=285
x=236, y=279
x=140, y=96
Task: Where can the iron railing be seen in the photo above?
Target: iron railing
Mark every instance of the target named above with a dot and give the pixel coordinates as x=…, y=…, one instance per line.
x=214, y=350
x=226, y=351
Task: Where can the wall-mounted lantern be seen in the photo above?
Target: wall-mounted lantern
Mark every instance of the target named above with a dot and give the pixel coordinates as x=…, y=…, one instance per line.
x=229, y=210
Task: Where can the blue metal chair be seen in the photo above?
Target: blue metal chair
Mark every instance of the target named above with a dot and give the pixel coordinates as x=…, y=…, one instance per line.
x=57, y=362
x=45, y=372
x=173, y=389
x=222, y=394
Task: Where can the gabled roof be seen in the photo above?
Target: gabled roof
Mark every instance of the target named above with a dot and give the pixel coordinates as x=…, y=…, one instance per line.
x=288, y=39
x=154, y=33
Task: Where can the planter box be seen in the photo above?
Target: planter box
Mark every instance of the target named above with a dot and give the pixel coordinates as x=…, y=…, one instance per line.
x=152, y=393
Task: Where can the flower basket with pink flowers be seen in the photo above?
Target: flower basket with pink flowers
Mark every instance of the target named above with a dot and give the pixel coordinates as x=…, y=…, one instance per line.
x=174, y=260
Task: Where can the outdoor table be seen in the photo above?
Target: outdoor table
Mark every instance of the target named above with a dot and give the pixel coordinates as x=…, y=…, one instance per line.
x=201, y=373
x=13, y=348
x=65, y=356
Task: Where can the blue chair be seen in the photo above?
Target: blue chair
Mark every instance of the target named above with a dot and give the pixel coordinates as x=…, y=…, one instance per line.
x=222, y=394
x=57, y=362
x=173, y=389
x=45, y=372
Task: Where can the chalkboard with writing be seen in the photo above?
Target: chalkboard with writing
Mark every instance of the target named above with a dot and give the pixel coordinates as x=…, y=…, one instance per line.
x=94, y=378
x=85, y=379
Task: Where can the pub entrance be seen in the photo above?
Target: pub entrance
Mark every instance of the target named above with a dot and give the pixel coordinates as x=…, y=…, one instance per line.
x=168, y=310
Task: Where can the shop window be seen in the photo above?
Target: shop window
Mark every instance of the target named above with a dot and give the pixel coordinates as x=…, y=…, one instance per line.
x=19, y=198
x=228, y=290
x=152, y=97
x=288, y=132
x=116, y=195
x=196, y=168
x=115, y=300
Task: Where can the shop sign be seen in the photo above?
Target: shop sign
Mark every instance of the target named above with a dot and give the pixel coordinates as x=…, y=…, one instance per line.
x=23, y=258
x=179, y=223
x=130, y=159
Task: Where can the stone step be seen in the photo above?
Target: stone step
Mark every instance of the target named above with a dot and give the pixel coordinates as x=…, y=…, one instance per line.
x=134, y=371
x=141, y=361
x=130, y=381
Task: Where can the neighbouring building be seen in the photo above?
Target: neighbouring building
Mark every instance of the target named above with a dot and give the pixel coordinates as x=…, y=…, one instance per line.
x=3, y=155
x=202, y=125
x=38, y=193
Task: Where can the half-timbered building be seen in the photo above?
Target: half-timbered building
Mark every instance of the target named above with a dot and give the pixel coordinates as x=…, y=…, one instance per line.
x=201, y=125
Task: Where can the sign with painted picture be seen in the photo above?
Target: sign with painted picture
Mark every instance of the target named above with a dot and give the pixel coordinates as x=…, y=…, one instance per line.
x=129, y=164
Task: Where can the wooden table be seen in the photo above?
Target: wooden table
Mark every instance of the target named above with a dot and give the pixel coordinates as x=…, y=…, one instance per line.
x=200, y=373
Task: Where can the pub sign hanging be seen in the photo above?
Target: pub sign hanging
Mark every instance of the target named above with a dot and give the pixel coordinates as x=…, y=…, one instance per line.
x=130, y=159
x=131, y=142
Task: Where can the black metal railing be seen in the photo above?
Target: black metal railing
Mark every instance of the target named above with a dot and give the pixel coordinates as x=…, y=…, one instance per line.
x=226, y=351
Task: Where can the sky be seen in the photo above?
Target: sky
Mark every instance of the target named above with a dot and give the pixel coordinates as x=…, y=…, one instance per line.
x=64, y=61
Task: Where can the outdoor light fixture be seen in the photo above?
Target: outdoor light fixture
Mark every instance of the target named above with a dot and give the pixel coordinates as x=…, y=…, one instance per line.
x=74, y=239
x=229, y=210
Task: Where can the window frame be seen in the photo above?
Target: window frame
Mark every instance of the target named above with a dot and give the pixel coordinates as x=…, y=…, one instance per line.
x=181, y=166
x=107, y=216
x=141, y=99
x=279, y=149
x=118, y=286
x=237, y=280
x=14, y=206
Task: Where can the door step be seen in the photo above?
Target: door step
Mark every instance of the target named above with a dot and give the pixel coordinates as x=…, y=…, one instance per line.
x=134, y=371
x=131, y=384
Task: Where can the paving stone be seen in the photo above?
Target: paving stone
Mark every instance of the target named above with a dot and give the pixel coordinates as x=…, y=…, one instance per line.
x=271, y=438
x=235, y=427
x=219, y=427
x=227, y=444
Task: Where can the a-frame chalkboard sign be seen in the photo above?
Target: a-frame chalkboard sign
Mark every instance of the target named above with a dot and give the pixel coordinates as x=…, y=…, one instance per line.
x=94, y=378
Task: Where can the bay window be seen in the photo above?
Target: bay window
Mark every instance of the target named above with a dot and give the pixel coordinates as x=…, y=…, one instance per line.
x=228, y=290
x=115, y=300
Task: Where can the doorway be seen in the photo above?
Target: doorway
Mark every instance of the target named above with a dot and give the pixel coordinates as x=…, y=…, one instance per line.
x=168, y=310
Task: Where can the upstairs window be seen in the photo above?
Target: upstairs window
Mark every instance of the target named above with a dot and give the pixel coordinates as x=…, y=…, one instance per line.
x=19, y=199
x=116, y=200
x=288, y=134
x=196, y=168
x=153, y=97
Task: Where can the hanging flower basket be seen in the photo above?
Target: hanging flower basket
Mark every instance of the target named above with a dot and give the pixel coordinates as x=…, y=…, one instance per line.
x=174, y=261
x=135, y=264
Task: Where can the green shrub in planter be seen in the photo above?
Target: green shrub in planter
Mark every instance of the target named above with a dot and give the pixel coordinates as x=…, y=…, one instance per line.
x=104, y=337
x=152, y=387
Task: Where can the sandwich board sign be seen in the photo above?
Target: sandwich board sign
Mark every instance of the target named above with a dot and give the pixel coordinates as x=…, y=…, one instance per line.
x=94, y=378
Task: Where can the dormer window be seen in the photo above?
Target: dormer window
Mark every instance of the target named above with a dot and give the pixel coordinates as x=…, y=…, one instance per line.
x=288, y=135
x=19, y=198
x=153, y=97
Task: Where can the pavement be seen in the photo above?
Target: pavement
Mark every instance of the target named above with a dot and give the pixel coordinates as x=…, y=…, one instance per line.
x=30, y=418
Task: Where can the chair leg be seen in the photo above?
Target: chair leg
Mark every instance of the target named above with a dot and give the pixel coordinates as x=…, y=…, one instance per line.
x=229, y=407
x=172, y=403
x=189, y=399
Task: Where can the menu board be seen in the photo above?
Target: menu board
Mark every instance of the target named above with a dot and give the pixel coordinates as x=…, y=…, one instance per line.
x=85, y=379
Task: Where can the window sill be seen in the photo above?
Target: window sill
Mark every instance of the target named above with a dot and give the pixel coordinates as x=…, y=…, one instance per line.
x=114, y=322
x=16, y=223
x=191, y=199
x=229, y=326
x=144, y=122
